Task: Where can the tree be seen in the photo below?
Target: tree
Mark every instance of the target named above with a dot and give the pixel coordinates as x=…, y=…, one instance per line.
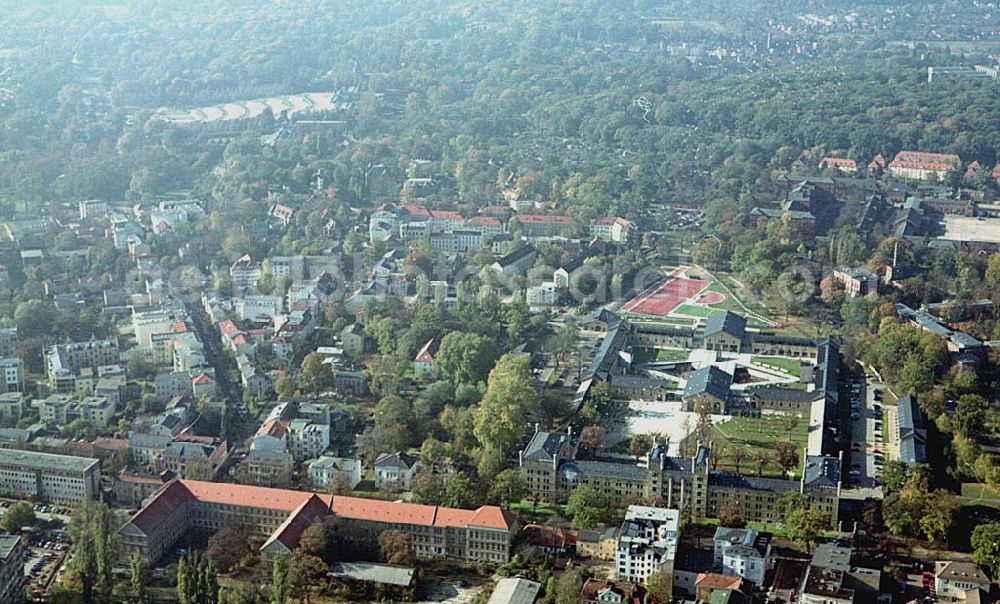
x=660, y=585
x=507, y=487
x=340, y=484
x=197, y=582
x=466, y=358
x=459, y=492
x=314, y=375
x=284, y=387
x=499, y=419
x=94, y=530
x=396, y=548
x=894, y=476
x=731, y=515
x=592, y=439
x=138, y=579
x=970, y=415
x=640, y=445
x=806, y=525
x=279, y=579
x=305, y=574
x=986, y=547
x=739, y=455
x=18, y=515
x=227, y=547
x=787, y=456
x=939, y=514
x=586, y=507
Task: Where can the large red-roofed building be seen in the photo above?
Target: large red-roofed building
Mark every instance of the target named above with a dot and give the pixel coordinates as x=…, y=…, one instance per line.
x=279, y=516
x=916, y=165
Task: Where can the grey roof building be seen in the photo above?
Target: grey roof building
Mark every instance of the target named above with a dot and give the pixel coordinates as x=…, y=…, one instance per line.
x=912, y=431
x=710, y=381
x=514, y=590
x=726, y=322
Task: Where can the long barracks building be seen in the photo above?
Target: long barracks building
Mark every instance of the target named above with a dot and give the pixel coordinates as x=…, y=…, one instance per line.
x=551, y=471
x=280, y=516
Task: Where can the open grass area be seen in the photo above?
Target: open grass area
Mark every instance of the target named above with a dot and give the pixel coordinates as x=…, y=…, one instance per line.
x=530, y=507
x=693, y=310
x=756, y=434
x=789, y=366
x=652, y=355
x=975, y=493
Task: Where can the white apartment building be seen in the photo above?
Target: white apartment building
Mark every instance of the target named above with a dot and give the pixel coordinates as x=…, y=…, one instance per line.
x=11, y=375
x=647, y=543
x=742, y=552
x=543, y=294
x=322, y=470
x=611, y=228
x=306, y=439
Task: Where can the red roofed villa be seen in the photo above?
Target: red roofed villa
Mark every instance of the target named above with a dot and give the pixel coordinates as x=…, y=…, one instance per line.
x=843, y=164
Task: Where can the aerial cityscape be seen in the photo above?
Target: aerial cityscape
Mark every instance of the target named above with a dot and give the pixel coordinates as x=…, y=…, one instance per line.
x=535, y=302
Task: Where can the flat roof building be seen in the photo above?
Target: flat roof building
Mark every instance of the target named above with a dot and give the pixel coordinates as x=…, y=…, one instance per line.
x=49, y=477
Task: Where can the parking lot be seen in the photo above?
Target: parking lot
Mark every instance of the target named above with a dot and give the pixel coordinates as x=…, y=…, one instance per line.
x=869, y=422
x=47, y=546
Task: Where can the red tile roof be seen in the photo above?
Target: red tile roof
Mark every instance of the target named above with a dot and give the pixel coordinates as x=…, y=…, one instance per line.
x=839, y=162
x=170, y=497
x=427, y=353
x=921, y=165
x=483, y=221
x=446, y=215
x=179, y=492
x=202, y=379
x=544, y=219
x=718, y=581
x=414, y=210
x=935, y=158
x=227, y=327
x=309, y=511
x=273, y=428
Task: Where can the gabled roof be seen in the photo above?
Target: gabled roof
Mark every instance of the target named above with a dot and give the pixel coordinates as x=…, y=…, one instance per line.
x=544, y=446
x=960, y=571
x=399, y=460
x=429, y=351
x=273, y=428
x=711, y=380
x=290, y=531
x=718, y=581
x=727, y=322
x=167, y=499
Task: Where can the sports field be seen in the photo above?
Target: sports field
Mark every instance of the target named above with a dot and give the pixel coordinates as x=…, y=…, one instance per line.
x=661, y=299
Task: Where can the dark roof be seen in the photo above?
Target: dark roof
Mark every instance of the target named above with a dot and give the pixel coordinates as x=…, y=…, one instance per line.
x=711, y=380
x=822, y=471
x=912, y=431
x=726, y=321
x=544, y=446
x=752, y=483
x=399, y=460
x=782, y=394
x=516, y=255
x=607, y=469
x=612, y=344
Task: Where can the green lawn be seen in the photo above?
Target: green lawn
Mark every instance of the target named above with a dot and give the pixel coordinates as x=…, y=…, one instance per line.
x=653, y=355
x=975, y=493
x=531, y=507
x=693, y=310
x=790, y=366
x=756, y=434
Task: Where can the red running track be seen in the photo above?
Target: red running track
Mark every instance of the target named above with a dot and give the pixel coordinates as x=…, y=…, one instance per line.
x=660, y=299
